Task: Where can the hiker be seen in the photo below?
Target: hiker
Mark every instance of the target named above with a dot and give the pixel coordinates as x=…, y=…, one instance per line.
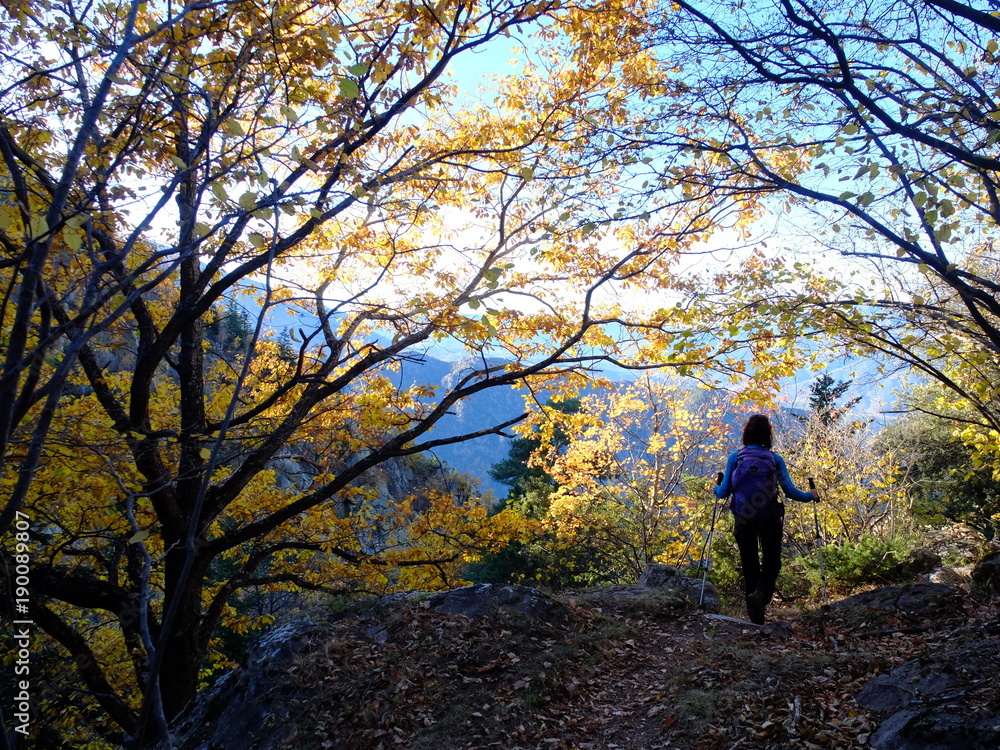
x=752, y=477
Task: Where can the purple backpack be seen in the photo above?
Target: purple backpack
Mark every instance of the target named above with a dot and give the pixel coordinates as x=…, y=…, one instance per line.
x=755, y=485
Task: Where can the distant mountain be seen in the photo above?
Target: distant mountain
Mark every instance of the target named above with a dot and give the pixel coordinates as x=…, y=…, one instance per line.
x=478, y=412
x=441, y=363
x=496, y=405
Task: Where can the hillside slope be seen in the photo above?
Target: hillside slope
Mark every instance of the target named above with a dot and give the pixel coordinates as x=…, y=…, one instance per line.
x=607, y=671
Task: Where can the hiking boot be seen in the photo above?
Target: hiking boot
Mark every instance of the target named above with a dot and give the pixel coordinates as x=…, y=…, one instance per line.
x=755, y=607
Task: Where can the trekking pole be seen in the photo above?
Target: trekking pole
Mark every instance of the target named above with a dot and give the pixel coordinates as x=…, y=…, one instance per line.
x=708, y=546
x=819, y=541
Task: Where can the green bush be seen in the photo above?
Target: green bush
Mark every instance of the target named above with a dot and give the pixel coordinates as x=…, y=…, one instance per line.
x=796, y=580
x=724, y=570
x=871, y=559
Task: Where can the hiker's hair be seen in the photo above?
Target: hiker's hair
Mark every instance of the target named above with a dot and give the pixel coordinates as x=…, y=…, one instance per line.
x=757, y=431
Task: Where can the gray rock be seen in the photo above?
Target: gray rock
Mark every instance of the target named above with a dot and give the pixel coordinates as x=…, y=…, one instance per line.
x=658, y=576
x=778, y=629
x=485, y=598
x=905, y=685
x=917, y=598
x=987, y=573
x=958, y=543
x=955, y=577
x=243, y=708
x=918, y=562
x=655, y=575
x=931, y=729
x=934, y=700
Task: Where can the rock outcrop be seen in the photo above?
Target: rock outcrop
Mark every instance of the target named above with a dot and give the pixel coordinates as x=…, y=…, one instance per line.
x=485, y=598
x=704, y=595
x=352, y=673
x=987, y=574
x=250, y=707
x=923, y=599
x=943, y=700
x=244, y=708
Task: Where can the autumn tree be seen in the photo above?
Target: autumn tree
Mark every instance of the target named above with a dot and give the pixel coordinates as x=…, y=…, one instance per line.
x=530, y=485
x=872, y=127
x=163, y=163
x=947, y=481
x=855, y=472
x=626, y=479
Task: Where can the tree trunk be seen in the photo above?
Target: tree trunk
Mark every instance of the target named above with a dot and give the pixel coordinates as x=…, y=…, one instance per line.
x=183, y=653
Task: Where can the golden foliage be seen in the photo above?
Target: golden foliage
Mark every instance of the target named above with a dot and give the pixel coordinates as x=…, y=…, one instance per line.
x=630, y=478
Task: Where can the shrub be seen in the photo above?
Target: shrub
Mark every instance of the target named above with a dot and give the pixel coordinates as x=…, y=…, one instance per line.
x=871, y=559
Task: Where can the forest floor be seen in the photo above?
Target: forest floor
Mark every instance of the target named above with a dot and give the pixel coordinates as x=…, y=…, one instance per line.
x=633, y=675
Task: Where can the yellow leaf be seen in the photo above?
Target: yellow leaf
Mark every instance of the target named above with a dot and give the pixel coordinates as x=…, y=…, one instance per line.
x=72, y=238
x=39, y=226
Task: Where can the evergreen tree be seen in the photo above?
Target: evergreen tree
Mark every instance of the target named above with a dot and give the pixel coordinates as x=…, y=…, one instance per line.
x=530, y=486
x=823, y=398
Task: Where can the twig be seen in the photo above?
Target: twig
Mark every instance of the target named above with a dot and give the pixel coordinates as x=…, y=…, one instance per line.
x=892, y=631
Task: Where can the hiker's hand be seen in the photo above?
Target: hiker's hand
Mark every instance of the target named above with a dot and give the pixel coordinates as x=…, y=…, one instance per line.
x=815, y=497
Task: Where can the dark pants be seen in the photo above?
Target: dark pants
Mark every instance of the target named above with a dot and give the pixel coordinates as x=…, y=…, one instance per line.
x=759, y=540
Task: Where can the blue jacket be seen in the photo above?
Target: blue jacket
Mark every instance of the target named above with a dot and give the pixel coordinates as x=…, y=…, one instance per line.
x=784, y=481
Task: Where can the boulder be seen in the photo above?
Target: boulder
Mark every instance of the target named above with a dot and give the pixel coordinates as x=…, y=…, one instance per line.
x=918, y=562
x=957, y=543
x=251, y=706
x=906, y=685
x=987, y=573
x=486, y=598
x=244, y=709
x=922, y=599
x=931, y=729
x=655, y=575
x=955, y=577
x=937, y=701
x=658, y=576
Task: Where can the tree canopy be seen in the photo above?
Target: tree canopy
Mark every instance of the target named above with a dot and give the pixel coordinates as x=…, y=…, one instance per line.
x=164, y=162
x=164, y=166
x=873, y=125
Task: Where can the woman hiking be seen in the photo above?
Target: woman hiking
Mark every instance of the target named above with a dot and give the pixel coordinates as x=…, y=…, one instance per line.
x=752, y=477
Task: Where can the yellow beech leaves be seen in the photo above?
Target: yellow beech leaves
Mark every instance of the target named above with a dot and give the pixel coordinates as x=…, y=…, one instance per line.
x=629, y=471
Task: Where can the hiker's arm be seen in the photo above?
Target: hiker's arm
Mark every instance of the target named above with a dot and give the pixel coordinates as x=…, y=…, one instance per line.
x=725, y=488
x=785, y=481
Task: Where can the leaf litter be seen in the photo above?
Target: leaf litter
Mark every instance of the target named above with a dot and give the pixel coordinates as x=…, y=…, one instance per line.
x=601, y=677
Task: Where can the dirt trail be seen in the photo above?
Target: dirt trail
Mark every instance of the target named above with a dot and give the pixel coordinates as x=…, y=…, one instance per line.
x=704, y=683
